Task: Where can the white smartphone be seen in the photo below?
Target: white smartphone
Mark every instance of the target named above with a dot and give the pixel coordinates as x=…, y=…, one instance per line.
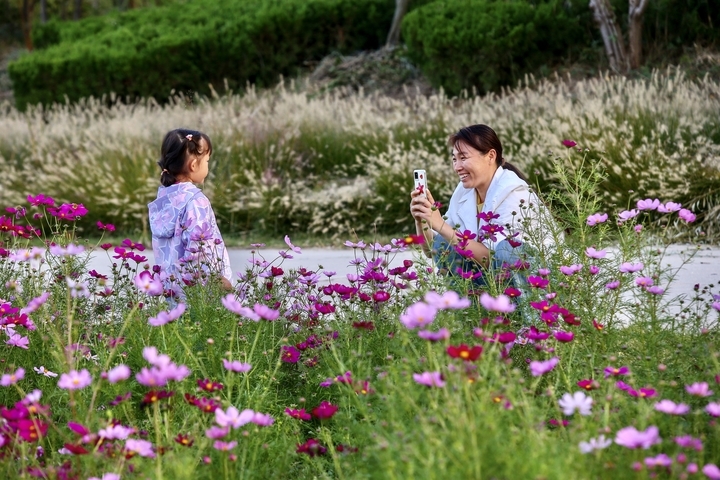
x=420, y=181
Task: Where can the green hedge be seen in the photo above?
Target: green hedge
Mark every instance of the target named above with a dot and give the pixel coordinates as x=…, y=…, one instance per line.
x=486, y=44
x=187, y=46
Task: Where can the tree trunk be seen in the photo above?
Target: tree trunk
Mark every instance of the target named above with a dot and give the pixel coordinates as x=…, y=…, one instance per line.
x=611, y=34
x=43, y=11
x=26, y=17
x=78, y=10
x=401, y=7
x=635, y=20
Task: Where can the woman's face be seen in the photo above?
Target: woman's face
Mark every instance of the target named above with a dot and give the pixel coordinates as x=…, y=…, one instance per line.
x=475, y=169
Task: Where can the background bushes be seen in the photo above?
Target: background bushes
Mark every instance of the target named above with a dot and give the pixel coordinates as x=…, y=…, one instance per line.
x=486, y=44
x=184, y=47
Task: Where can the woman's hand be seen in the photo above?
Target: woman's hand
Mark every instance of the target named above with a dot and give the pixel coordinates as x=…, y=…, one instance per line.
x=421, y=208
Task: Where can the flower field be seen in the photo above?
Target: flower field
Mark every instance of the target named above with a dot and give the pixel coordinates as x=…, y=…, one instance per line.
x=577, y=370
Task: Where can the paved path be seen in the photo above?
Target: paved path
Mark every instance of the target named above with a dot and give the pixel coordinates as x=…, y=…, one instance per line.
x=704, y=269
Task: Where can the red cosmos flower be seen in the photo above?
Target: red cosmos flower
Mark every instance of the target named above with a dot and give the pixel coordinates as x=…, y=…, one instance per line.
x=300, y=414
x=364, y=325
x=568, y=143
x=290, y=354
x=31, y=430
x=184, y=440
x=464, y=352
x=512, y=292
x=325, y=410
x=588, y=384
x=363, y=388
x=76, y=449
x=311, y=447
x=156, y=395
x=597, y=325
x=506, y=337
x=276, y=271
x=209, y=386
x=413, y=240
x=570, y=318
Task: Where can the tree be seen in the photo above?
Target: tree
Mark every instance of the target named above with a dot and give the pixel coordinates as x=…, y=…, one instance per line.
x=26, y=18
x=393, y=38
x=612, y=35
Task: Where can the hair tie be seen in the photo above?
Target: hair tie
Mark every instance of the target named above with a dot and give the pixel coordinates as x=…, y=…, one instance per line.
x=164, y=171
x=189, y=136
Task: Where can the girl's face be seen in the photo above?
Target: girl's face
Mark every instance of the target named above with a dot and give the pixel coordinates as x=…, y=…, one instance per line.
x=199, y=166
x=475, y=169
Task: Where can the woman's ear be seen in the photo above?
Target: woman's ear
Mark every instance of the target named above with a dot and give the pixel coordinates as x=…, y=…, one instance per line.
x=492, y=155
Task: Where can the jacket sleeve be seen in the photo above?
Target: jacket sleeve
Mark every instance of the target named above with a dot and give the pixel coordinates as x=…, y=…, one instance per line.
x=202, y=239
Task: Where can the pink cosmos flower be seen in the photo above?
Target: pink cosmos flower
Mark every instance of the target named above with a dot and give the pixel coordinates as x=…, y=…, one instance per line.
x=118, y=374
x=711, y=471
x=442, y=334
x=598, y=443
x=17, y=340
x=597, y=254
x=265, y=312
x=648, y=204
x=148, y=284
x=570, y=270
x=669, y=207
x=672, y=408
x=501, y=304
x=262, y=419
x=627, y=215
x=236, y=366
x=154, y=358
x=237, y=308
x=655, y=290
x=300, y=414
x=75, y=380
x=593, y=269
x=12, y=378
x=661, y=460
x=686, y=215
x=716, y=306
x=106, y=476
x=232, y=417
x=139, y=447
x=688, y=441
x=165, y=317
x=630, y=267
x=35, y=303
x=429, y=379
x=713, y=409
x=612, y=285
x=596, y=218
x=216, y=432
x=644, y=282
x=224, y=446
x=699, y=389
x=632, y=438
x=540, y=368
x=115, y=432
x=577, y=401
x=448, y=300
x=419, y=314
x=292, y=247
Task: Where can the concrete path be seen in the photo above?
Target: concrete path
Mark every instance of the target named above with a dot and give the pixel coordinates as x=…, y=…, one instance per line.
x=704, y=269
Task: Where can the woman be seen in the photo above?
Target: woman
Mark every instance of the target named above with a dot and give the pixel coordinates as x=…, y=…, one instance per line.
x=489, y=187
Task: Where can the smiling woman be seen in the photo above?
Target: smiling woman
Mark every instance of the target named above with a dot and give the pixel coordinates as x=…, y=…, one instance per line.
x=489, y=212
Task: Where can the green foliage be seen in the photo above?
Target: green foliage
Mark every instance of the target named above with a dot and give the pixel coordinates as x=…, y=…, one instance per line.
x=183, y=48
x=486, y=44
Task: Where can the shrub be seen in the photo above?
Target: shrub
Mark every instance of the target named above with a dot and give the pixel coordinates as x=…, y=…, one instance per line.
x=486, y=44
x=150, y=53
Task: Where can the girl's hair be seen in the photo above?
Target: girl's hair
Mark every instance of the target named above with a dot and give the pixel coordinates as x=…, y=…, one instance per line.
x=177, y=147
x=483, y=139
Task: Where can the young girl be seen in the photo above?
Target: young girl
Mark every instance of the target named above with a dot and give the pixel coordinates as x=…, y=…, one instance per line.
x=185, y=234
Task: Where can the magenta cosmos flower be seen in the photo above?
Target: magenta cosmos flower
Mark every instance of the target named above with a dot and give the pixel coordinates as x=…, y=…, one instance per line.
x=616, y=372
x=75, y=380
x=686, y=215
x=631, y=437
x=325, y=410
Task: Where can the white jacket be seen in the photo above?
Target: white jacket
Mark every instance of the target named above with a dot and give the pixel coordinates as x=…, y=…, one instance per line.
x=503, y=198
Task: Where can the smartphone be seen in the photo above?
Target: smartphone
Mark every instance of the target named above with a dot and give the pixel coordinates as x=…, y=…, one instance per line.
x=420, y=180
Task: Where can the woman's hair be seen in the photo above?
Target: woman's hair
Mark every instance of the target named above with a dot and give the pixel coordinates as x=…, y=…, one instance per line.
x=483, y=139
x=177, y=148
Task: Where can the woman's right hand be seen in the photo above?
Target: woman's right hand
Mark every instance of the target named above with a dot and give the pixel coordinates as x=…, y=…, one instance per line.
x=421, y=208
